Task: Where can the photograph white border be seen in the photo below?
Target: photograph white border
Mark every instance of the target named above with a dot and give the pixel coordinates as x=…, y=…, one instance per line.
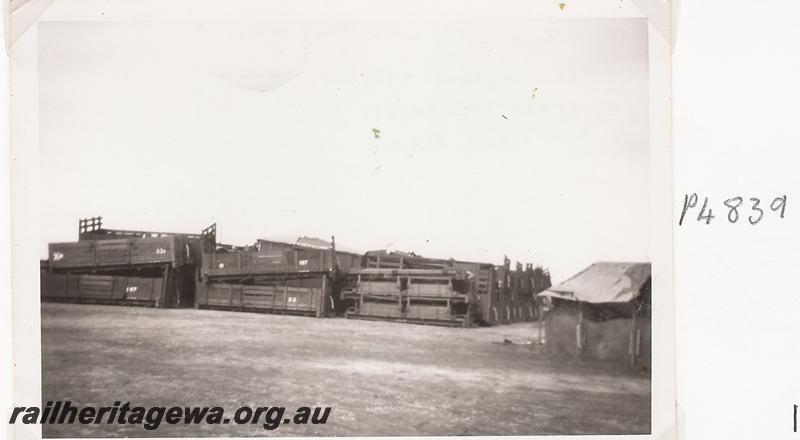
x=25, y=188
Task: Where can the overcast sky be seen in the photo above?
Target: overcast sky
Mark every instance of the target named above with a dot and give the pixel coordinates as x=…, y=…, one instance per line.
x=527, y=138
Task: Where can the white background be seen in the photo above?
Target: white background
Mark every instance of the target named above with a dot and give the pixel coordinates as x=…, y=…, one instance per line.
x=735, y=94
x=735, y=131
x=34, y=109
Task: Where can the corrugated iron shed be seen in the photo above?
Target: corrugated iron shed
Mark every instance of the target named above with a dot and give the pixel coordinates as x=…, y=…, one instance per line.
x=603, y=282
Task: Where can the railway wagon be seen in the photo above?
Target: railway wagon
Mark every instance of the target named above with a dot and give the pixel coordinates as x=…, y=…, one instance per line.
x=289, y=296
x=120, y=253
x=255, y=264
x=498, y=294
x=482, y=298
x=104, y=289
x=424, y=296
x=528, y=283
x=405, y=287
x=516, y=292
x=120, y=258
x=343, y=260
x=295, y=276
x=486, y=290
x=520, y=306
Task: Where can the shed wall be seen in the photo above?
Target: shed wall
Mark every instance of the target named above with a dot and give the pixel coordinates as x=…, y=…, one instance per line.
x=606, y=341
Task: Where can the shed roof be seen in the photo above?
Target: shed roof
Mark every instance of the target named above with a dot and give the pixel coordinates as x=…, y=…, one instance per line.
x=603, y=282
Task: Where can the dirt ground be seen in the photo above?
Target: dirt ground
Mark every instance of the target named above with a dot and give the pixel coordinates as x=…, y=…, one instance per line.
x=379, y=378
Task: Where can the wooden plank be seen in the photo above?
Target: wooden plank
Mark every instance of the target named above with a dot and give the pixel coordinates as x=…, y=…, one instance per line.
x=418, y=289
x=380, y=309
x=379, y=288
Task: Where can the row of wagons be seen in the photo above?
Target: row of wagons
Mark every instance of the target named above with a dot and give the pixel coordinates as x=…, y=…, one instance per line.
x=304, y=276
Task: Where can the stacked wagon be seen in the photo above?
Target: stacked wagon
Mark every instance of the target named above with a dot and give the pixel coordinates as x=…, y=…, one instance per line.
x=510, y=295
x=407, y=288
x=124, y=267
x=297, y=275
x=293, y=277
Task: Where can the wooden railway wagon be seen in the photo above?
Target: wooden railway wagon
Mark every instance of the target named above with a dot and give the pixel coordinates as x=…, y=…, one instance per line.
x=424, y=296
x=487, y=304
x=501, y=295
x=254, y=264
x=164, y=265
x=520, y=306
x=343, y=261
x=406, y=287
x=294, y=277
x=514, y=301
x=505, y=306
x=104, y=289
x=517, y=290
x=486, y=290
x=494, y=299
x=303, y=296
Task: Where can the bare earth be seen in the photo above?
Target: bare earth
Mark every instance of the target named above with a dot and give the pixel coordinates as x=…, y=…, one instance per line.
x=380, y=378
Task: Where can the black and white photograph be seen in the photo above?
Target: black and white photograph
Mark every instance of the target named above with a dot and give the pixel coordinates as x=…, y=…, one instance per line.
x=345, y=218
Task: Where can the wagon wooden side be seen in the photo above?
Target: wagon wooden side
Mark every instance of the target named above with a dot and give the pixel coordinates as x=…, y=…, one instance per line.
x=244, y=263
x=98, y=254
x=308, y=297
x=103, y=289
x=424, y=296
